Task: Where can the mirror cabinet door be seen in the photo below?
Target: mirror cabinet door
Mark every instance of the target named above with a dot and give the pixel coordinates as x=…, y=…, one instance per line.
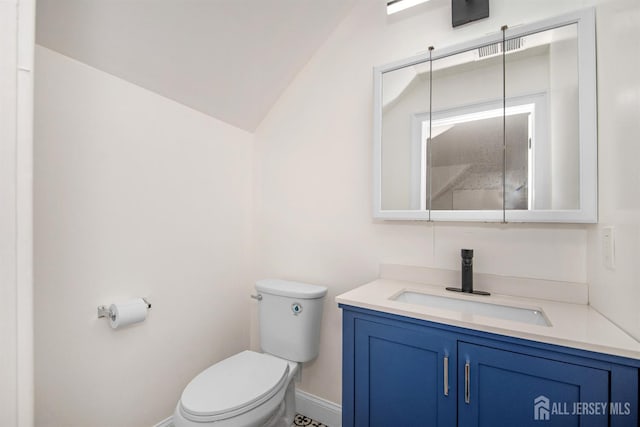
x=542, y=122
x=405, y=106
x=466, y=144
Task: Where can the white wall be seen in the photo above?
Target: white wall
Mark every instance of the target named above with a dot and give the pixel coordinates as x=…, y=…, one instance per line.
x=8, y=226
x=616, y=293
x=135, y=195
x=16, y=286
x=313, y=176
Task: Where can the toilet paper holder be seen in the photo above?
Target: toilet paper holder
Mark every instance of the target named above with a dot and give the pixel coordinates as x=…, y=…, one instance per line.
x=103, y=310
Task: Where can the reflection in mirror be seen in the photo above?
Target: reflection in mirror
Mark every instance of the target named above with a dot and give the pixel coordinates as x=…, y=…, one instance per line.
x=472, y=145
x=545, y=64
x=405, y=94
x=467, y=138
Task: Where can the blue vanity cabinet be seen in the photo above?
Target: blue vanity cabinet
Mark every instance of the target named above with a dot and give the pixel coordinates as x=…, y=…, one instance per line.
x=506, y=388
x=395, y=370
x=400, y=375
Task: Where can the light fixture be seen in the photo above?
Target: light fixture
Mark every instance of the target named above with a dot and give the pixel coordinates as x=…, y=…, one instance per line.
x=394, y=6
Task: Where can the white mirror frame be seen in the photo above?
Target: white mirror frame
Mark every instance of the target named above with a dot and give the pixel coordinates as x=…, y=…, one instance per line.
x=588, y=211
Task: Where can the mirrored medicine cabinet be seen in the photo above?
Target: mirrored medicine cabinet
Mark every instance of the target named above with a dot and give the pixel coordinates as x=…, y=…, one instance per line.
x=501, y=128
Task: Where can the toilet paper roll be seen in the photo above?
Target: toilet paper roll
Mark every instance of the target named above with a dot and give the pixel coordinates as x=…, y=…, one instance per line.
x=129, y=312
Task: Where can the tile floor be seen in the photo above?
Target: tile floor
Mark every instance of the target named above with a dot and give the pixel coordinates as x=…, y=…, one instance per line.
x=301, y=420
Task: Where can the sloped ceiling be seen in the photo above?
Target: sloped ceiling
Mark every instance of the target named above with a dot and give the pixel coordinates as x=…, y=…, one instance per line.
x=230, y=59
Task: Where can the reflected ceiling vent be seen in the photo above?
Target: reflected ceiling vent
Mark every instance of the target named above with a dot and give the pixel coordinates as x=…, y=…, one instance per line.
x=496, y=48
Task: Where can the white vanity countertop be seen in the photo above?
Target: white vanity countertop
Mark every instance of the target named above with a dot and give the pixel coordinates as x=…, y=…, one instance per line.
x=572, y=325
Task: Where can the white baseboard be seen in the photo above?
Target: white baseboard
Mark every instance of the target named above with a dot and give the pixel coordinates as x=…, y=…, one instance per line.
x=167, y=422
x=307, y=404
x=318, y=409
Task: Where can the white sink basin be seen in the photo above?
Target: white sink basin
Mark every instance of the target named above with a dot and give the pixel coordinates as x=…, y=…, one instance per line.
x=532, y=316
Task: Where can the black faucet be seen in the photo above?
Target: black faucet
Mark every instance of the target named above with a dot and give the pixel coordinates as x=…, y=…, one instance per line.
x=467, y=270
x=467, y=274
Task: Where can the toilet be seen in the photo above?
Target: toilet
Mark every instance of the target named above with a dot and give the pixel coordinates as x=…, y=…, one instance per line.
x=252, y=389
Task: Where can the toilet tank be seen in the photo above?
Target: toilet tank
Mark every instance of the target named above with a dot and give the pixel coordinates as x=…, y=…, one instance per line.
x=290, y=314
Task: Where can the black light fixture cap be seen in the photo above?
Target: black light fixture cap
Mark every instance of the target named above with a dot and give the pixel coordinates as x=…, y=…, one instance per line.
x=465, y=11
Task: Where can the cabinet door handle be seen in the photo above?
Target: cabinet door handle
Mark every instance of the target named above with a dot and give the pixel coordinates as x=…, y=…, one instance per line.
x=467, y=392
x=446, y=376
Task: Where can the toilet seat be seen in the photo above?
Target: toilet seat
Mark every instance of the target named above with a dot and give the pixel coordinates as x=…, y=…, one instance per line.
x=233, y=386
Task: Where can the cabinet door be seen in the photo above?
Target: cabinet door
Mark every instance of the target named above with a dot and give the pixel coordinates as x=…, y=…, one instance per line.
x=503, y=388
x=400, y=376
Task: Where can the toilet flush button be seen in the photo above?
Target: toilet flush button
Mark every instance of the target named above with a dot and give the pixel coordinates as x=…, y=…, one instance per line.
x=296, y=307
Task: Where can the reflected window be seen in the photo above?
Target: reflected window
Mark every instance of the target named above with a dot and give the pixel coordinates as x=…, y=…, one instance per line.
x=466, y=156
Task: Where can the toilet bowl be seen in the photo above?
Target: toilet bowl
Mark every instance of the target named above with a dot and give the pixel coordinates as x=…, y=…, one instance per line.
x=253, y=389
x=247, y=389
